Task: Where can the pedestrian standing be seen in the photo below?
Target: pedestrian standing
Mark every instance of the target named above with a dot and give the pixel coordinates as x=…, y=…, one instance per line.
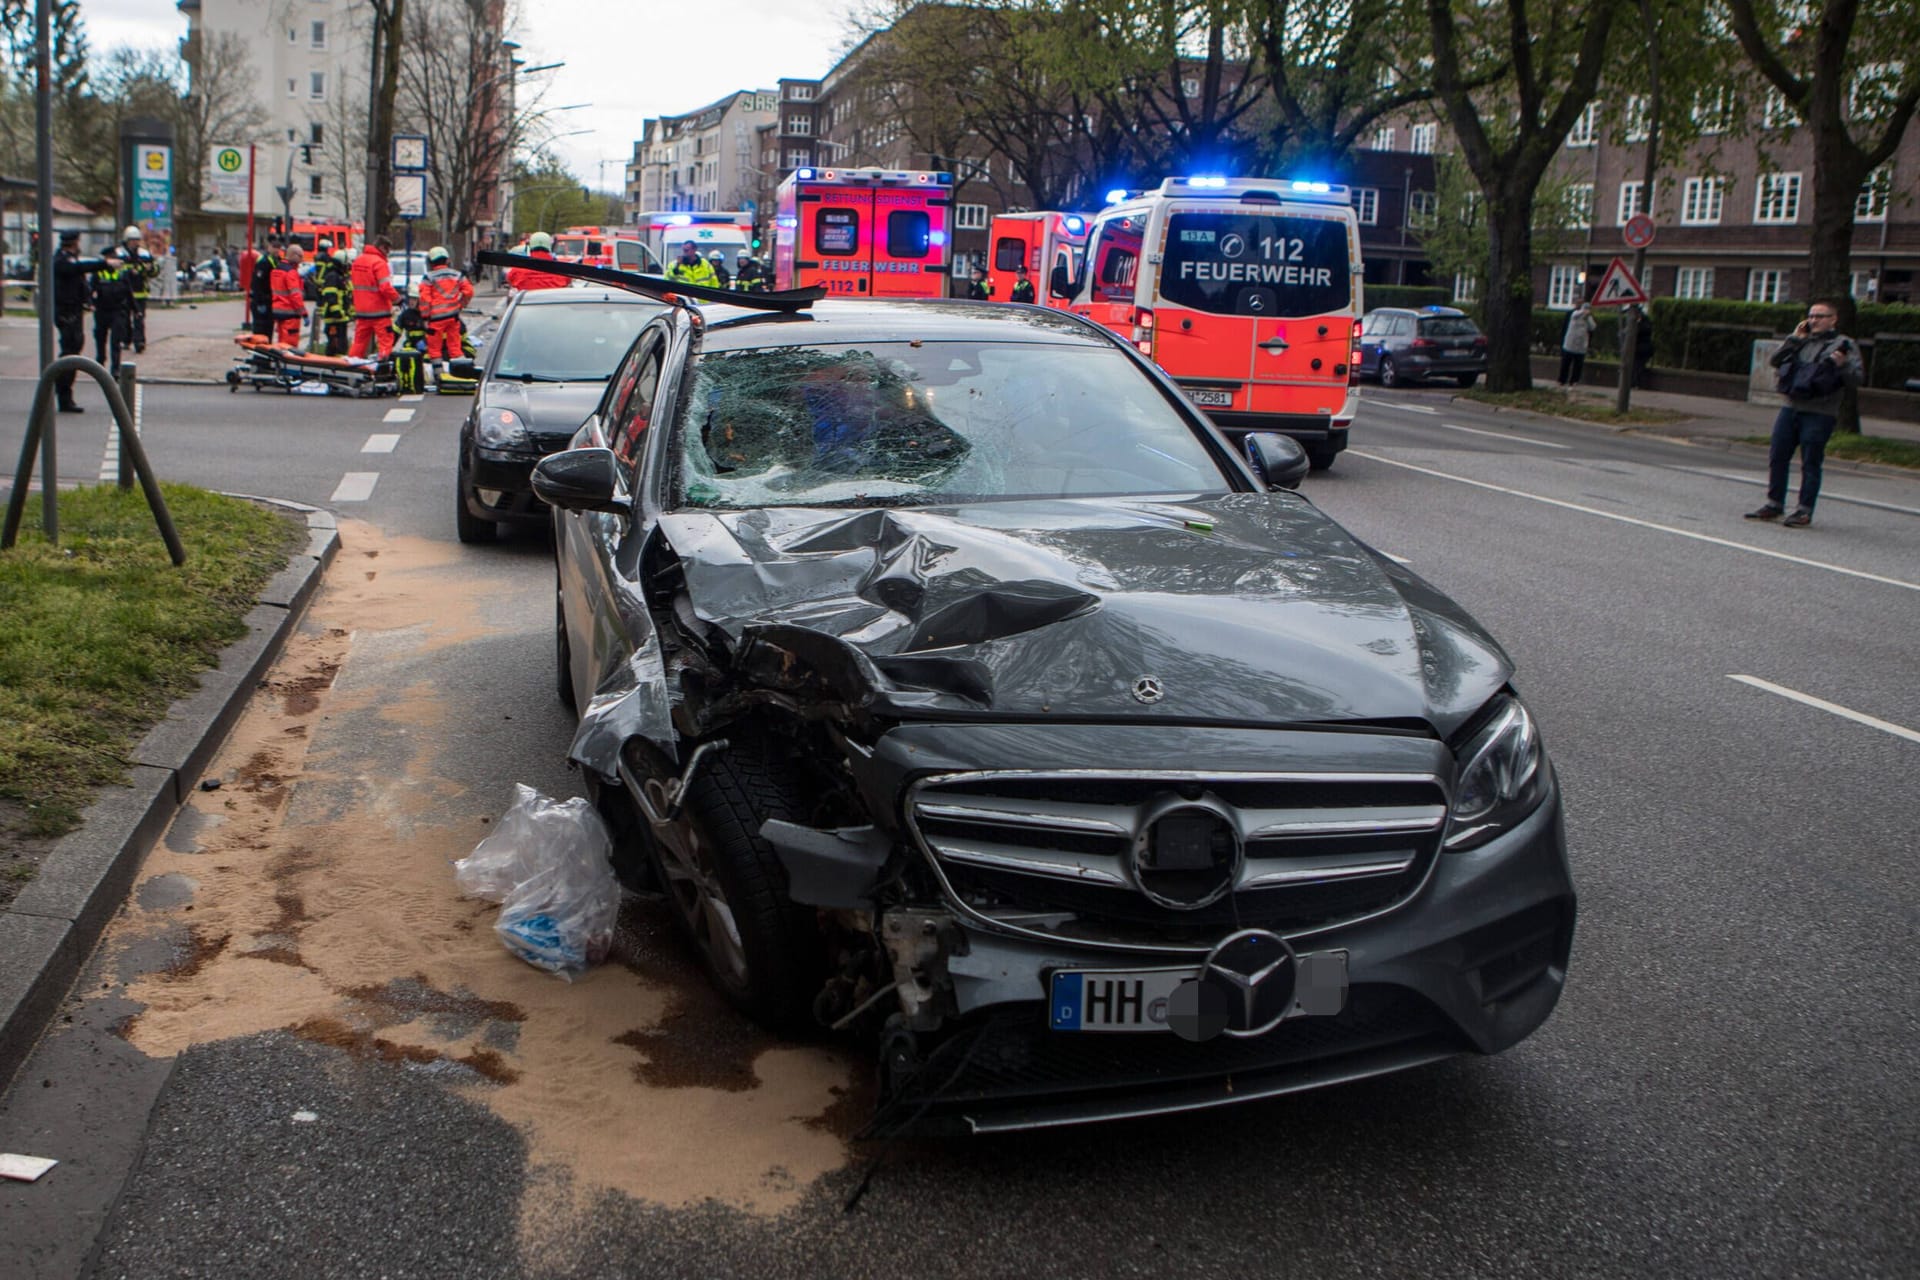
x=141, y=268
x=1022, y=286
x=1575, y=343
x=1813, y=369
x=70, y=297
x=979, y=288
x=373, y=299
x=112, y=309
x=289, y=298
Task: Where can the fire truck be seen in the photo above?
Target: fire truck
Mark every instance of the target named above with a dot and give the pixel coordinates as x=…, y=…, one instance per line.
x=619, y=247
x=868, y=233
x=1247, y=291
x=345, y=236
x=1039, y=242
x=665, y=231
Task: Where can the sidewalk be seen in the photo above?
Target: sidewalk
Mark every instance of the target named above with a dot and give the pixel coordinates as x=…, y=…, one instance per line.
x=191, y=339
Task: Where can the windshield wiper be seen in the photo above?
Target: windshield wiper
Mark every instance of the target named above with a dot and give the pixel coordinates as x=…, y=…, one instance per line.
x=548, y=377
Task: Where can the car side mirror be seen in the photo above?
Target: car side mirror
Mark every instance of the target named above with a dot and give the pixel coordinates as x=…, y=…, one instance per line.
x=464, y=369
x=581, y=480
x=1276, y=459
x=1060, y=283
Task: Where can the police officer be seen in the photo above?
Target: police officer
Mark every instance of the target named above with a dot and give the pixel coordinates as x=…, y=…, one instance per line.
x=141, y=267
x=70, y=297
x=979, y=288
x=691, y=268
x=112, y=308
x=1022, y=287
x=444, y=293
x=330, y=282
x=260, y=287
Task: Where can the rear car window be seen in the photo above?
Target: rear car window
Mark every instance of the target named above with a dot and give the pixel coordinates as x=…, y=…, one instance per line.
x=1009, y=253
x=1448, y=327
x=836, y=233
x=909, y=233
x=1253, y=264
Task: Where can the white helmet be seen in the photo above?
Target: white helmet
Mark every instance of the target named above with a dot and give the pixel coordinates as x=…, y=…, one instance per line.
x=539, y=240
x=131, y=233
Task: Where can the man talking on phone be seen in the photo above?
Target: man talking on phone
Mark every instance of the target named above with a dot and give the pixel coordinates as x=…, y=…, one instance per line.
x=1812, y=369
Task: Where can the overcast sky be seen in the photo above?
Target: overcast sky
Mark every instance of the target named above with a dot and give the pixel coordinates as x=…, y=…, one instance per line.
x=703, y=52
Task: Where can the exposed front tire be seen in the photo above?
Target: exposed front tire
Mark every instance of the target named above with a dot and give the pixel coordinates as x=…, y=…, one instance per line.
x=1389, y=376
x=470, y=528
x=728, y=891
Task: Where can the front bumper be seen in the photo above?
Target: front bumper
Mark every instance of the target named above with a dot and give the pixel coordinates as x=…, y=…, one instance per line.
x=1474, y=962
x=499, y=485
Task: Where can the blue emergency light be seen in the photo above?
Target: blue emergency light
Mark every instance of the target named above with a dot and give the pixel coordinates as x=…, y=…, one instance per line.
x=803, y=174
x=1074, y=223
x=936, y=237
x=1312, y=186
x=1210, y=181
x=1116, y=195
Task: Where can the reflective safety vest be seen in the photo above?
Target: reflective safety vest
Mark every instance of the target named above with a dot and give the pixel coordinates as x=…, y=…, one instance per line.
x=289, y=299
x=443, y=291
x=140, y=268
x=331, y=276
x=373, y=291
x=699, y=272
x=528, y=278
x=112, y=290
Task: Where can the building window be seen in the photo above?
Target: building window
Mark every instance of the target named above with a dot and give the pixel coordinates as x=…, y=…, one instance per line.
x=1636, y=121
x=1563, y=286
x=1466, y=287
x=1383, y=140
x=1190, y=87
x=1713, y=110
x=1579, y=205
x=800, y=126
x=1862, y=286
x=1584, y=129
x=1871, y=204
x=316, y=184
x=1700, y=206
x=317, y=86
x=970, y=217
x=1423, y=209
x=1874, y=90
x=799, y=93
x=1366, y=200
x=1630, y=202
x=293, y=35
x=316, y=134
x=293, y=87
x=1776, y=198
x=1420, y=138
x=1693, y=282
x=1778, y=113
x=1766, y=285
x=796, y=157
x=317, y=36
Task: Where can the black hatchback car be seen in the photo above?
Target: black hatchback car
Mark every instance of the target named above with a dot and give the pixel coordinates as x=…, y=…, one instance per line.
x=1399, y=346
x=958, y=685
x=545, y=369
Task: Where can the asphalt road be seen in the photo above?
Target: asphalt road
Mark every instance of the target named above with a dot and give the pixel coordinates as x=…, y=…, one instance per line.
x=1727, y=1087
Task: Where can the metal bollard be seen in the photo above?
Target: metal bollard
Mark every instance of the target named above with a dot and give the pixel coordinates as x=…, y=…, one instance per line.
x=129, y=392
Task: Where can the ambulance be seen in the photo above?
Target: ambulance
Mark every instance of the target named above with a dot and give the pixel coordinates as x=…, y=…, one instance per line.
x=1246, y=291
x=730, y=231
x=1039, y=242
x=618, y=247
x=864, y=233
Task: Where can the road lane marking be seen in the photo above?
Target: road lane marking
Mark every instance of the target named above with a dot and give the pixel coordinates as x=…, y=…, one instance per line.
x=380, y=444
x=1404, y=408
x=1501, y=435
x=110, y=460
x=1845, y=713
x=1827, y=494
x=398, y=415
x=413, y=399
x=355, y=486
x=1644, y=524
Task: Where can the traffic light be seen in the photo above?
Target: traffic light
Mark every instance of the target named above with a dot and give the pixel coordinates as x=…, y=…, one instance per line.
x=306, y=153
x=756, y=242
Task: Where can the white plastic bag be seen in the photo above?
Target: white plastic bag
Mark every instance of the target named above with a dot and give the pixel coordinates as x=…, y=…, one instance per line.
x=547, y=864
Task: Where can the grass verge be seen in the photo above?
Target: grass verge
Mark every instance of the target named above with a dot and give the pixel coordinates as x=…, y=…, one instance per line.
x=1561, y=405
x=99, y=635
x=1862, y=448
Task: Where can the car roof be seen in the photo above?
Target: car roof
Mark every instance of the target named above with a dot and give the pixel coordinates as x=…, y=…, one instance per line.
x=1422, y=312
x=561, y=297
x=836, y=320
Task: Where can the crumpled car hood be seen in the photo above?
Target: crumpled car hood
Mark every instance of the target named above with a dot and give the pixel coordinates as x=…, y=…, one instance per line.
x=1244, y=608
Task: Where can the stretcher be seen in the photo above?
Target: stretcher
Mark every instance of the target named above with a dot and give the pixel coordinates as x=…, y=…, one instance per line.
x=264, y=363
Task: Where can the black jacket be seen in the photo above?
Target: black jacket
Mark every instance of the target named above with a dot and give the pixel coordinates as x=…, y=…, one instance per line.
x=112, y=290
x=71, y=289
x=260, y=288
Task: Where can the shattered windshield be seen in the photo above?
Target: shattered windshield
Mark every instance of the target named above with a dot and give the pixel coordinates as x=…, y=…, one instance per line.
x=905, y=423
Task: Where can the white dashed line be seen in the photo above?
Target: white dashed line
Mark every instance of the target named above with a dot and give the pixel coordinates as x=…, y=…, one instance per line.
x=1644, y=524
x=1834, y=708
x=356, y=486
x=1404, y=408
x=1501, y=435
x=110, y=460
x=413, y=399
x=379, y=444
x=398, y=415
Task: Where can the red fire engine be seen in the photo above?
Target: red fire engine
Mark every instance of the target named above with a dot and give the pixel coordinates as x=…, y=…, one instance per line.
x=870, y=233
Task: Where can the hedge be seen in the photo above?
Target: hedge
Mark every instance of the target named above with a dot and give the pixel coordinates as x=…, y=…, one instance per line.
x=1407, y=295
x=1718, y=336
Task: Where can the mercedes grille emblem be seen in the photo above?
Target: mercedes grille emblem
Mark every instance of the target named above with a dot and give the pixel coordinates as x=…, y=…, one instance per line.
x=1148, y=689
x=1244, y=989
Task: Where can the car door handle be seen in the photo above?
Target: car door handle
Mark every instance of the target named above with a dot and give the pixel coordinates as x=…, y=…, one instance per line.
x=1275, y=345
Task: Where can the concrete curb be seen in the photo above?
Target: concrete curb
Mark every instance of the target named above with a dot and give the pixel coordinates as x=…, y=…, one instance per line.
x=52, y=927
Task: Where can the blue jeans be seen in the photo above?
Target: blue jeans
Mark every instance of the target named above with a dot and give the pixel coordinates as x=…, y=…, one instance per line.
x=1807, y=432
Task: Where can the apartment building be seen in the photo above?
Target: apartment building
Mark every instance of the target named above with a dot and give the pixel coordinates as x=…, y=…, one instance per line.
x=705, y=159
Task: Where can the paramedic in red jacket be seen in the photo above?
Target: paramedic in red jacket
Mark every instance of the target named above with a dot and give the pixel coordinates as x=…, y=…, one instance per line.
x=539, y=245
x=289, y=297
x=373, y=300
x=443, y=292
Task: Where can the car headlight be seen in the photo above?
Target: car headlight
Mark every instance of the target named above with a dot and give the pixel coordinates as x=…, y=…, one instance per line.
x=1503, y=779
x=500, y=429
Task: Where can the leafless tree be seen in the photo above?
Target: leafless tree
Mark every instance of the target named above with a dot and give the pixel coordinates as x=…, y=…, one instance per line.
x=221, y=106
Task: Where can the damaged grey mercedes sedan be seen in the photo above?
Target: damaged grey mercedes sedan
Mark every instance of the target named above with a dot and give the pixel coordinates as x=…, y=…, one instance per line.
x=961, y=688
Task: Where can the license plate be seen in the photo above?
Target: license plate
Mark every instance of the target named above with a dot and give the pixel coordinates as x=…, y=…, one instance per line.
x=1136, y=999
x=1210, y=398
x=1459, y=351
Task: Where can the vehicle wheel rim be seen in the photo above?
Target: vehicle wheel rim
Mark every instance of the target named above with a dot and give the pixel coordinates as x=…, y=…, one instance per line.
x=687, y=864
x=1386, y=373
